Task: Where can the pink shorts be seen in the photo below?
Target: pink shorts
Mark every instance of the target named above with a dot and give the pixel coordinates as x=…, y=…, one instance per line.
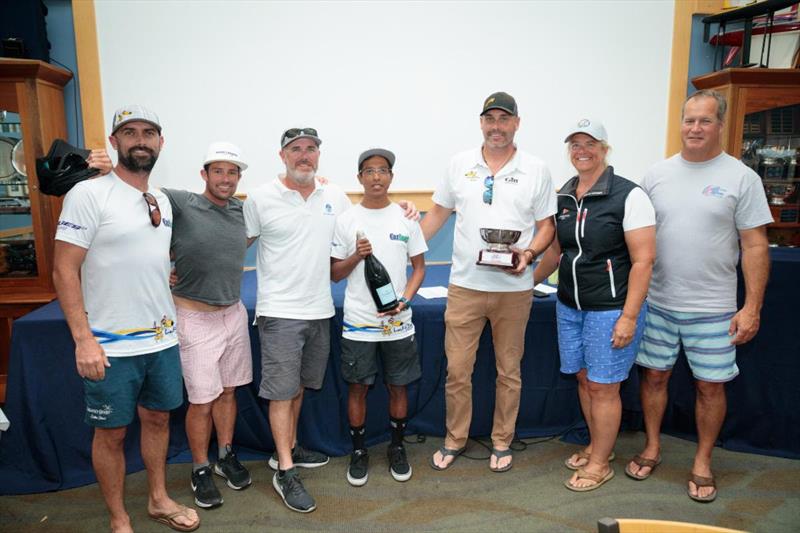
x=215, y=351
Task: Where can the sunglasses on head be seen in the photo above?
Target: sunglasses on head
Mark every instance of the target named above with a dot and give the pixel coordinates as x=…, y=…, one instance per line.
x=152, y=209
x=295, y=132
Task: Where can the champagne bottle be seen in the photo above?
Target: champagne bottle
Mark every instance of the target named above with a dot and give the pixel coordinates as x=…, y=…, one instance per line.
x=378, y=281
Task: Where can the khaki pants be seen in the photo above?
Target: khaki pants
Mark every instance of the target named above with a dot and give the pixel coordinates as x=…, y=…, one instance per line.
x=465, y=318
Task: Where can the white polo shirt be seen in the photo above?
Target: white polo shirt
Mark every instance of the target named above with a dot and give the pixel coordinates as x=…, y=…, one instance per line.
x=522, y=194
x=294, y=246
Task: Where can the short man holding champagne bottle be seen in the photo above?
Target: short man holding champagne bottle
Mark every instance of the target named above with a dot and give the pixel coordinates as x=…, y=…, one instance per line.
x=376, y=282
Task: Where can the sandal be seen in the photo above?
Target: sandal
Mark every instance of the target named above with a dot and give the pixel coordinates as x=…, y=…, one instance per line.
x=446, y=452
x=702, y=481
x=498, y=454
x=640, y=462
x=169, y=519
x=599, y=480
x=582, y=455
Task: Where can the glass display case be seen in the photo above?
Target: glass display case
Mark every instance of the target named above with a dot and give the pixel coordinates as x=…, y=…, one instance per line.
x=17, y=249
x=763, y=129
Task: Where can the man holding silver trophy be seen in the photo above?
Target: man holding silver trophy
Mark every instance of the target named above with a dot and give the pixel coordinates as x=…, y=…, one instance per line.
x=501, y=196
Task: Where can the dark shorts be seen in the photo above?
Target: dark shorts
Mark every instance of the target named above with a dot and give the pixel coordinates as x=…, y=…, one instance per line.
x=151, y=380
x=399, y=360
x=294, y=354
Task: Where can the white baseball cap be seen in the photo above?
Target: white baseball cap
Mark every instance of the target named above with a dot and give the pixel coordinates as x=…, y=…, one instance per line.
x=224, y=151
x=592, y=128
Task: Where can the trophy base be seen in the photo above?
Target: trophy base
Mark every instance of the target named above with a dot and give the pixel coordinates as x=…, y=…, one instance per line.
x=497, y=259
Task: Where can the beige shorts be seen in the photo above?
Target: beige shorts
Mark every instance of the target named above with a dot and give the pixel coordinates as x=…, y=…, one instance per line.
x=215, y=351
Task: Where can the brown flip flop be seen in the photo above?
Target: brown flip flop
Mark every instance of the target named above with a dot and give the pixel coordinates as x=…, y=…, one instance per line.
x=599, y=480
x=169, y=519
x=640, y=462
x=702, y=481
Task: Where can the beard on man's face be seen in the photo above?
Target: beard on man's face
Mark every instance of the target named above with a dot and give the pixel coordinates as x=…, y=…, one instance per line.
x=140, y=162
x=301, y=177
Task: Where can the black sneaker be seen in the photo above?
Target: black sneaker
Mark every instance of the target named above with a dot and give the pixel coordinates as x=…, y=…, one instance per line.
x=358, y=471
x=233, y=471
x=302, y=458
x=291, y=489
x=206, y=494
x=398, y=464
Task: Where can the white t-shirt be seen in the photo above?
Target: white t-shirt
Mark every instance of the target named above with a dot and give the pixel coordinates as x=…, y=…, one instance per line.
x=125, y=275
x=523, y=193
x=293, y=262
x=700, y=209
x=394, y=239
x=639, y=211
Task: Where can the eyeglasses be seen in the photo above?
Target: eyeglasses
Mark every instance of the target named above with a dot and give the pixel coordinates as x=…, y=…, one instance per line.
x=291, y=133
x=152, y=209
x=370, y=172
x=489, y=192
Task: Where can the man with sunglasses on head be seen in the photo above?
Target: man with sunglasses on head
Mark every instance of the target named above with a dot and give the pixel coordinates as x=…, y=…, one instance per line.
x=494, y=186
x=294, y=217
x=209, y=246
x=111, y=271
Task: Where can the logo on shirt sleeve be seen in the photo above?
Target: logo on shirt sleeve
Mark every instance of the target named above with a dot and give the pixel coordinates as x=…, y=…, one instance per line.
x=70, y=225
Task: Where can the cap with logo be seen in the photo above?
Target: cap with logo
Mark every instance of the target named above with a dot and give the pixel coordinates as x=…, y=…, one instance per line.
x=380, y=152
x=134, y=113
x=292, y=134
x=224, y=151
x=592, y=128
x=502, y=101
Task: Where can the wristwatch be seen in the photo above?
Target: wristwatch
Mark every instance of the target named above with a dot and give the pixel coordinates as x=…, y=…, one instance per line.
x=405, y=301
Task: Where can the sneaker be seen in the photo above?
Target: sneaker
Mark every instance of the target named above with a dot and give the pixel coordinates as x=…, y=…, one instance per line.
x=233, y=471
x=292, y=491
x=398, y=464
x=302, y=458
x=206, y=494
x=358, y=471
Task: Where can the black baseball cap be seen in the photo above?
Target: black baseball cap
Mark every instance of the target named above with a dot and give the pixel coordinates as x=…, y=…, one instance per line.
x=502, y=101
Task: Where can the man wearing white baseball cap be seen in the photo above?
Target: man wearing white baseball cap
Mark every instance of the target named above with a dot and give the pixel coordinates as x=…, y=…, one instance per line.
x=209, y=246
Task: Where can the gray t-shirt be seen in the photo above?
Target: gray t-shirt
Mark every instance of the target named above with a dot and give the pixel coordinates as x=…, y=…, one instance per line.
x=700, y=209
x=209, y=244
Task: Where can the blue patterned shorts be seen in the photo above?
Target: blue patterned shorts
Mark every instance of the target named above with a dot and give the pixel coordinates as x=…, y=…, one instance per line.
x=584, y=341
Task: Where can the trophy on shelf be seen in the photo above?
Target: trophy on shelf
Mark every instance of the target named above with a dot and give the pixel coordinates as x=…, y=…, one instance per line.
x=499, y=253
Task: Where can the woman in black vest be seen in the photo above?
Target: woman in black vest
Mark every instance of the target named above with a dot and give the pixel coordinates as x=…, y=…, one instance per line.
x=604, y=252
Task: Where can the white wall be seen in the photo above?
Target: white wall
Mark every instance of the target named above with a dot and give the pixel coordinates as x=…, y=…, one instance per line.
x=409, y=76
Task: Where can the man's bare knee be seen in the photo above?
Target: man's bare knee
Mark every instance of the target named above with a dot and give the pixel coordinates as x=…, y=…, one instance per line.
x=656, y=379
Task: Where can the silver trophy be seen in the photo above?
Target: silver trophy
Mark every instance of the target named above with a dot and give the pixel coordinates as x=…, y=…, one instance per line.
x=499, y=253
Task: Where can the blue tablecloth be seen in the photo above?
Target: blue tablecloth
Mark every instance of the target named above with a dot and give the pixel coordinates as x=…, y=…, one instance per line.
x=48, y=445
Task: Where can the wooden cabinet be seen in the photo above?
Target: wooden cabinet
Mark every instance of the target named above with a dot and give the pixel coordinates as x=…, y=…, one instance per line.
x=763, y=129
x=31, y=117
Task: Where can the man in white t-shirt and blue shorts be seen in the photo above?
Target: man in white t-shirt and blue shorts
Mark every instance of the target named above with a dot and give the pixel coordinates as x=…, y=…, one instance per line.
x=368, y=335
x=709, y=206
x=111, y=273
